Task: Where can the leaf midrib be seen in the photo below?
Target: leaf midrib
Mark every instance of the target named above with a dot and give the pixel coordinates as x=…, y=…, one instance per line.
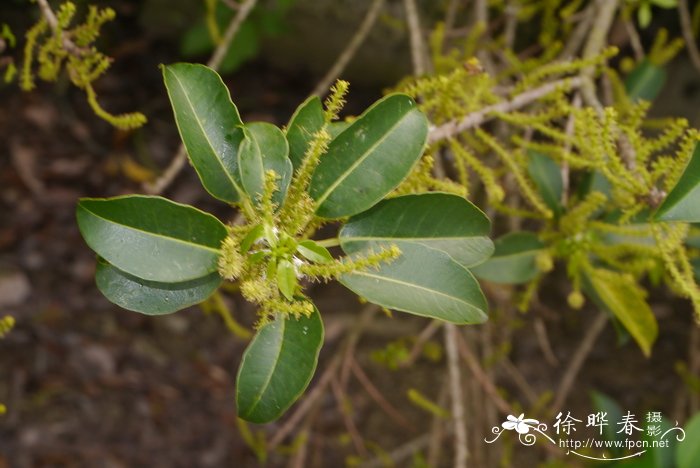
x=206, y=136
x=413, y=285
x=153, y=234
x=360, y=160
x=405, y=239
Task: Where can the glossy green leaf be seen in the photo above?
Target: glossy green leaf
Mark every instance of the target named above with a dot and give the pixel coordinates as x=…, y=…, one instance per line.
x=252, y=237
x=625, y=299
x=150, y=297
x=336, y=128
x=645, y=81
x=151, y=237
x=306, y=121
x=547, y=176
x=422, y=281
x=277, y=367
x=209, y=126
x=314, y=252
x=441, y=221
x=370, y=158
x=513, y=260
x=286, y=278
x=264, y=148
x=682, y=203
x=688, y=451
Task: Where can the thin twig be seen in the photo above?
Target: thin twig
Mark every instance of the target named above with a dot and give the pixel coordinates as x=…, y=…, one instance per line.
x=404, y=451
x=635, y=41
x=569, y=129
x=584, y=348
x=377, y=396
x=345, y=411
x=475, y=119
x=545, y=344
x=308, y=402
x=451, y=15
x=605, y=14
x=687, y=28
x=52, y=21
x=457, y=395
x=418, y=51
x=351, y=49
x=422, y=338
x=479, y=374
x=178, y=162
x=437, y=431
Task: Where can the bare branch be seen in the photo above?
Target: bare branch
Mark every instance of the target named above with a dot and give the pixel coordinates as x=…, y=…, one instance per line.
x=457, y=394
x=418, y=51
x=687, y=28
x=178, y=162
x=584, y=348
x=351, y=49
x=475, y=119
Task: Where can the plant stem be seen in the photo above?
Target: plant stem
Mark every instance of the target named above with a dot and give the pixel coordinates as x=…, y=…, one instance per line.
x=475, y=119
x=352, y=47
x=332, y=242
x=457, y=394
x=418, y=54
x=687, y=28
x=178, y=162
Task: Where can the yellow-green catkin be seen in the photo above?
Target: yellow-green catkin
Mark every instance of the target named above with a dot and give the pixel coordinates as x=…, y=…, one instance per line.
x=72, y=49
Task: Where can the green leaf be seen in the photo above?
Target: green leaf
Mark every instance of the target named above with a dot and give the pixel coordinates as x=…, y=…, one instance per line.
x=620, y=295
x=151, y=237
x=264, y=148
x=688, y=453
x=286, y=278
x=513, y=260
x=645, y=81
x=306, y=121
x=277, y=367
x=441, y=221
x=209, y=126
x=422, y=281
x=150, y=297
x=252, y=237
x=682, y=203
x=370, y=158
x=314, y=252
x=547, y=176
x=336, y=128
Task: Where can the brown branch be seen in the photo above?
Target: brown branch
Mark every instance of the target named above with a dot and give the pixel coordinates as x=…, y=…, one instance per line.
x=475, y=119
x=351, y=49
x=377, y=396
x=52, y=21
x=457, y=394
x=584, y=348
x=687, y=28
x=422, y=338
x=483, y=379
x=418, y=52
x=345, y=409
x=178, y=162
x=328, y=375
